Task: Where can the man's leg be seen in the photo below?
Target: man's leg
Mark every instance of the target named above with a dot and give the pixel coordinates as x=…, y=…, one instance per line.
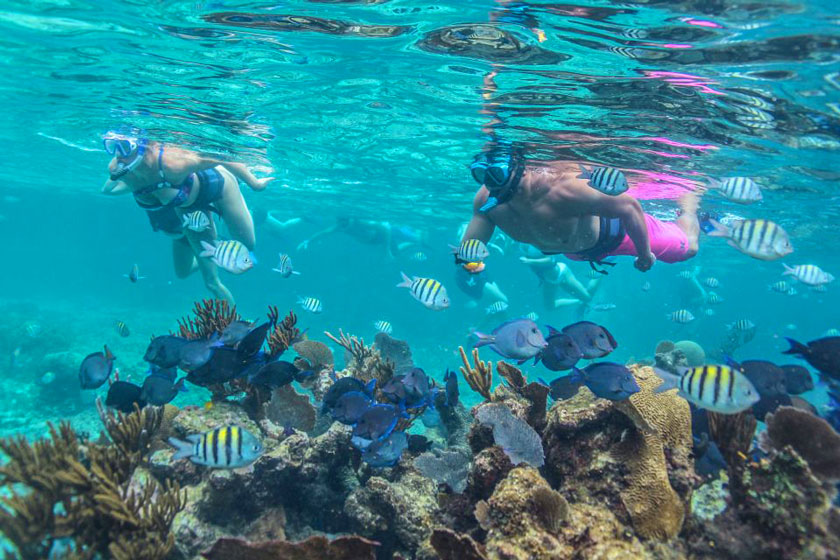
x=688, y=223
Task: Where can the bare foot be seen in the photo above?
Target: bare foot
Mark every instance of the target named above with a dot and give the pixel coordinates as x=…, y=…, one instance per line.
x=687, y=222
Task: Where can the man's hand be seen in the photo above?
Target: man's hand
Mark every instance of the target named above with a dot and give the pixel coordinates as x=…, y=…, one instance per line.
x=261, y=184
x=644, y=263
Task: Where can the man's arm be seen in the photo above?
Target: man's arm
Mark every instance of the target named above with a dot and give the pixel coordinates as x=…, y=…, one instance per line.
x=590, y=201
x=480, y=227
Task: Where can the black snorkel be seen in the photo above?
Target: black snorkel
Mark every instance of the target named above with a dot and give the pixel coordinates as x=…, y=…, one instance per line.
x=500, y=171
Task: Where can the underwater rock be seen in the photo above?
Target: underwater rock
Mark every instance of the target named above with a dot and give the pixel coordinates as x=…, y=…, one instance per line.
x=633, y=455
x=489, y=467
x=320, y=547
x=395, y=350
x=289, y=409
x=669, y=357
x=812, y=437
x=450, y=545
x=519, y=440
x=398, y=514
x=693, y=352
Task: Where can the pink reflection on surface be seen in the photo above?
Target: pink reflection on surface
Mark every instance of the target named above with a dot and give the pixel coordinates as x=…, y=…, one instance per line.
x=669, y=142
x=654, y=185
x=702, y=23
x=677, y=46
x=663, y=154
x=680, y=79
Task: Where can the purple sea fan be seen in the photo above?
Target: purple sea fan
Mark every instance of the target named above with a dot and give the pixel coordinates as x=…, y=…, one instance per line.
x=520, y=442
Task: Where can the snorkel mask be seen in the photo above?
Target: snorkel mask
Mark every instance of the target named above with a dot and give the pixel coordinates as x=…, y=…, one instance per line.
x=120, y=145
x=499, y=170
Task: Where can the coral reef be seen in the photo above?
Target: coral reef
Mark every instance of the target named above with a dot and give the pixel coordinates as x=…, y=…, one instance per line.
x=810, y=436
x=340, y=548
x=450, y=545
x=671, y=356
x=634, y=454
x=210, y=316
x=288, y=409
x=317, y=354
x=447, y=466
x=480, y=376
x=693, y=352
x=519, y=441
x=365, y=362
x=89, y=493
x=395, y=351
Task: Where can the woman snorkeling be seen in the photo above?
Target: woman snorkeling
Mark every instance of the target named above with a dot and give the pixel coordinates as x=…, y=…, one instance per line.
x=169, y=183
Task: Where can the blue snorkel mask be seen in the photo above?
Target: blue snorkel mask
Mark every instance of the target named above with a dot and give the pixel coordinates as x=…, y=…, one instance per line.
x=121, y=145
x=499, y=170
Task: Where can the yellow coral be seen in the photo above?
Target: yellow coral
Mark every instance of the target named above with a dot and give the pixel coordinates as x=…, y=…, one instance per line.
x=663, y=421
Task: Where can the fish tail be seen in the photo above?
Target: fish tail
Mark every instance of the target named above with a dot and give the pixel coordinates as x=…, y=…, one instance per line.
x=186, y=221
x=788, y=270
x=669, y=380
x=108, y=354
x=483, y=339
x=180, y=385
x=796, y=347
x=584, y=173
x=718, y=229
x=406, y=281
x=454, y=249
x=183, y=448
x=209, y=250
x=577, y=375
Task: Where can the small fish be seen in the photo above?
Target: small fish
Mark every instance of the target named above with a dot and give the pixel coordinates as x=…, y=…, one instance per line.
x=427, y=291
x=160, y=388
x=767, y=378
x=417, y=386
x=383, y=327
x=96, y=368
x=823, y=354
x=646, y=286
x=32, y=328
x=563, y=388
x=470, y=251
x=450, y=381
x=252, y=342
x=497, y=307
x=792, y=292
x=197, y=221
x=741, y=325
x=797, y=379
x=123, y=395
x=760, y=239
x=230, y=255
x=831, y=332
x=519, y=339
x=686, y=275
x=593, y=340
x=604, y=306
x=781, y=286
x=607, y=180
x=47, y=378
x=387, y=452
x=709, y=312
x=122, y=329
x=284, y=267
x=809, y=274
x=532, y=316
x=350, y=407
x=14, y=358
x=474, y=267
x=680, y=316
x=562, y=352
x=311, y=304
x=738, y=189
x=344, y=385
x=278, y=374
x=196, y=353
x=607, y=380
x=712, y=282
x=134, y=274
x=712, y=387
x=227, y=447
x=419, y=256
x=713, y=299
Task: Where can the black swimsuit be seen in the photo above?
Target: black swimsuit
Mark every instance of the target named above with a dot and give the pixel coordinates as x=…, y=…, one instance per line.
x=610, y=236
x=163, y=217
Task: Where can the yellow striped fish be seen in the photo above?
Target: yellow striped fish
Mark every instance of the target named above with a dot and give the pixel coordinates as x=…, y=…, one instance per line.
x=738, y=189
x=231, y=255
x=197, y=221
x=122, y=329
x=809, y=274
x=470, y=251
x=713, y=387
x=427, y=291
x=761, y=239
x=229, y=447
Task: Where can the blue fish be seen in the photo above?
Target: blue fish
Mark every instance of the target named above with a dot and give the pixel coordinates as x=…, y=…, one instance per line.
x=607, y=380
x=564, y=387
x=450, y=378
x=277, y=374
x=378, y=421
x=387, y=452
x=345, y=385
x=165, y=351
x=350, y=407
x=122, y=396
x=95, y=369
x=562, y=352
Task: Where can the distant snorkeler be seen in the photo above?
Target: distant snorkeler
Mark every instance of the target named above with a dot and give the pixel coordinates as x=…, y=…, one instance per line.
x=392, y=238
x=476, y=282
x=169, y=183
x=553, y=275
x=550, y=207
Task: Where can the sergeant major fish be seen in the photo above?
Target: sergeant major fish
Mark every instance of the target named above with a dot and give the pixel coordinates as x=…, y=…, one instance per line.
x=470, y=251
x=311, y=304
x=607, y=180
x=809, y=274
x=713, y=387
x=284, y=267
x=197, y=221
x=760, y=239
x=231, y=255
x=497, y=307
x=383, y=327
x=738, y=189
x=227, y=447
x=122, y=329
x=427, y=291
x=681, y=316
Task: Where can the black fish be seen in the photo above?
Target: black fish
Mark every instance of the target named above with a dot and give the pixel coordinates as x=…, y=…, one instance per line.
x=450, y=378
x=224, y=365
x=607, y=380
x=769, y=404
x=564, y=387
x=767, y=377
x=562, y=351
x=196, y=353
x=253, y=341
x=277, y=374
x=122, y=395
x=708, y=460
x=797, y=379
x=165, y=351
x=417, y=444
x=95, y=369
x=823, y=354
x=159, y=389
x=345, y=385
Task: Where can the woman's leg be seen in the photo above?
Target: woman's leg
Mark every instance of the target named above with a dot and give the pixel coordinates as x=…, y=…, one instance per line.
x=208, y=269
x=183, y=257
x=235, y=212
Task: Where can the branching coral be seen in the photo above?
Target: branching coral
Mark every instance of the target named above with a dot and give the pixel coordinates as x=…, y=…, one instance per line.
x=511, y=374
x=352, y=344
x=84, y=492
x=480, y=376
x=284, y=334
x=211, y=316
x=366, y=362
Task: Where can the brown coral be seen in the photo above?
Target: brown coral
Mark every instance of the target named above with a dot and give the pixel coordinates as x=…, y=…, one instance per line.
x=810, y=436
x=340, y=548
x=365, y=362
x=284, y=334
x=211, y=316
x=289, y=409
x=316, y=353
x=450, y=545
x=480, y=376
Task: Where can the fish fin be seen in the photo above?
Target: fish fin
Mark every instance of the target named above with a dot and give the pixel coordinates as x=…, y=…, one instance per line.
x=406, y=281
x=728, y=360
x=542, y=381
x=552, y=331
x=276, y=270
x=194, y=438
x=788, y=270
x=186, y=222
x=180, y=385
x=718, y=229
x=183, y=448
x=209, y=250
x=796, y=347
x=522, y=361
x=669, y=380
x=295, y=272
x=483, y=339
x=253, y=257
x=454, y=249
x=108, y=355
x=371, y=386
x=537, y=357
x=520, y=338
x=584, y=173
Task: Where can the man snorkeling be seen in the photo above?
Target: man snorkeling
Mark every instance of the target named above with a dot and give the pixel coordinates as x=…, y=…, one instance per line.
x=554, y=274
x=391, y=238
x=170, y=182
x=550, y=207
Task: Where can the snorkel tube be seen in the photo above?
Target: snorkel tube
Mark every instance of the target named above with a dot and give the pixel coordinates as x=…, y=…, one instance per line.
x=125, y=144
x=499, y=170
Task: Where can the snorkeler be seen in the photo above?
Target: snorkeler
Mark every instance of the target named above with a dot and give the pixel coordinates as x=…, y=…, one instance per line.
x=393, y=239
x=548, y=206
x=554, y=275
x=169, y=182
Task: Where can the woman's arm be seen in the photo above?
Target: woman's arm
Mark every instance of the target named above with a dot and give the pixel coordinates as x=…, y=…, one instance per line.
x=181, y=163
x=117, y=187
